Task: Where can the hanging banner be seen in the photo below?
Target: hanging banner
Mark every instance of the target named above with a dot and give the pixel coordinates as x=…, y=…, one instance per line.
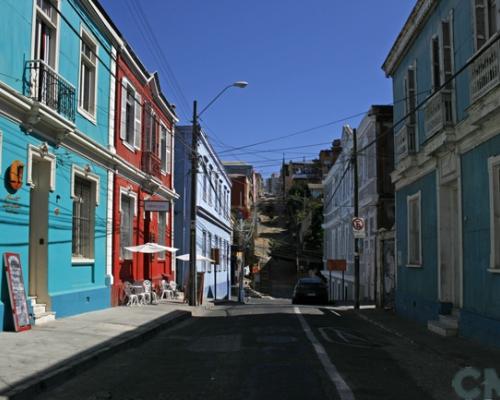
x=19, y=305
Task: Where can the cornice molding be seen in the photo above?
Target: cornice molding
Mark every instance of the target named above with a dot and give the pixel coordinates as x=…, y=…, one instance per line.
x=414, y=22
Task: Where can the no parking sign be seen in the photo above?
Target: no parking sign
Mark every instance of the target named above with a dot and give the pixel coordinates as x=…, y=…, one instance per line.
x=358, y=227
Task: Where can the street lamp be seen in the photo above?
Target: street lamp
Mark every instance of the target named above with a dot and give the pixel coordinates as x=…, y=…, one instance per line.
x=193, y=301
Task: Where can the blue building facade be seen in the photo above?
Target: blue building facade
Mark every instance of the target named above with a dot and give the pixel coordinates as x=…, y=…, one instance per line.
x=213, y=219
x=444, y=66
x=55, y=151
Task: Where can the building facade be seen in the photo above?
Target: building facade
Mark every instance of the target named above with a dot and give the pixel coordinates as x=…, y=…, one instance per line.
x=338, y=239
x=445, y=64
x=55, y=116
x=213, y=218
x=144, y=137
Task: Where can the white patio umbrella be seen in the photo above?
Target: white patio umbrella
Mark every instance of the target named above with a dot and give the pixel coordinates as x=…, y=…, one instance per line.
x=185, y=257
x=150, y=248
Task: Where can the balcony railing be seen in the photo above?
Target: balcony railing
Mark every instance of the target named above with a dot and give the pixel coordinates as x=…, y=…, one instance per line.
x=404, y=142
x=485, y=72
x=151, y=164
x=45, y=85
x=438, y=113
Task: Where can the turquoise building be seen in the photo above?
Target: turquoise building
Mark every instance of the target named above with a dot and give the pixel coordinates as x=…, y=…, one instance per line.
x=56, y=156
x=445, y=67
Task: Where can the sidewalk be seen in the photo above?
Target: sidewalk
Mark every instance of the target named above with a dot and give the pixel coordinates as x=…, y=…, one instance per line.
x=432, y=360
x=48, y=354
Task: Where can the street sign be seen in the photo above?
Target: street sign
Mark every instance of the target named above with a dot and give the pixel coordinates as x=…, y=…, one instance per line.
x=336, y=265
x=358, y=228
x=157, y=205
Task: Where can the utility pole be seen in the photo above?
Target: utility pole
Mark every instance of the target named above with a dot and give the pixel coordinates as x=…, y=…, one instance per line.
x=193, y=301
x=354, y=160
x=283, y=172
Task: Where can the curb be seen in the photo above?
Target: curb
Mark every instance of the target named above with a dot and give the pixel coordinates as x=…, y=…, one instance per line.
x=67, y=369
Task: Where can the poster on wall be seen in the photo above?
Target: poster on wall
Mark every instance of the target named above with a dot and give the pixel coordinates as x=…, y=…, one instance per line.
x=17, y=294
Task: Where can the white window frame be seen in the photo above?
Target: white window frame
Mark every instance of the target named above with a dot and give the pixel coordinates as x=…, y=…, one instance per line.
x=487, y=33
x=56, y=26
x=494, y=189
x=137, y=128
x=36, y=151
x=133, y=195
x=89, y=38
x=168, y=149
x=411, y=263
x=84, y=173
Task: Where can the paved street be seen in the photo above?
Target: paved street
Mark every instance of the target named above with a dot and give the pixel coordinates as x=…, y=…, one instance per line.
x=262, y=350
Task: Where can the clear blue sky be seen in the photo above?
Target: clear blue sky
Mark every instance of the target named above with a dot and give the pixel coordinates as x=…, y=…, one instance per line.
x=307, y=63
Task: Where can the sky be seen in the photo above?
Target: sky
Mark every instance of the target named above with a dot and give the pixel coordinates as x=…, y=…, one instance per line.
x=312, y=66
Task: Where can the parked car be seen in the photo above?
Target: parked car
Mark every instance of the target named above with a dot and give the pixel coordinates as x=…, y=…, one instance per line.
x=310, y=290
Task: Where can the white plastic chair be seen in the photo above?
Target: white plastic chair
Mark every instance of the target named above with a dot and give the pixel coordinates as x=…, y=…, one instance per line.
x=149, y=294
x=166, y=291
x=132, y=298
x=173, y=288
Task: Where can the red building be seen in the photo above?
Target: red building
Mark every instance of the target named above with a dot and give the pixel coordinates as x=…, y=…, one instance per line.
x=241, y=195
x=144, y=131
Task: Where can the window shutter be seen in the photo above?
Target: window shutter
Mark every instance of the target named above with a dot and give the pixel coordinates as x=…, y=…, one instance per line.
x=446, y=27
x=410, y=96
x=123, y=120
x=138, y=116
x=480, y=15
x=147, y=127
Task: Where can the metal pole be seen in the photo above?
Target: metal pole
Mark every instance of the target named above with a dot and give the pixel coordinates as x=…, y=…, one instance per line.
x=354, y=160
x=193, y=301
x=241, y=275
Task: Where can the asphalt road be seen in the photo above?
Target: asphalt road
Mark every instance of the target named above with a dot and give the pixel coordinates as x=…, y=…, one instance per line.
x=268, y=349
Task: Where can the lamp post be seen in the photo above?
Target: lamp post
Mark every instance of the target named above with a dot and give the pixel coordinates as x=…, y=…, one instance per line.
x=193, y=301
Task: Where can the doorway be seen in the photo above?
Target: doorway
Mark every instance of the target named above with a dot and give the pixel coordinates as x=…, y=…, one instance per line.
x=450, y=274
x=38, y=226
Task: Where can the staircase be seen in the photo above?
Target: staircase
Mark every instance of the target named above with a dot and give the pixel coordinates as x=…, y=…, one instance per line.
x=446, y=325
x=39, y=313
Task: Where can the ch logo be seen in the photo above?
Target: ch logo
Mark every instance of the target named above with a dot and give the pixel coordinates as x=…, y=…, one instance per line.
x=468, y=383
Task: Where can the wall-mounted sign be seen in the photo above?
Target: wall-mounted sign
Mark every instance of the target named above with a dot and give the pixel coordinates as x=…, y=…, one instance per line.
x=215, y=255
x=16, y=172
x=157, y=205
x=336, y=265
x=358, y=228
x=14, y=274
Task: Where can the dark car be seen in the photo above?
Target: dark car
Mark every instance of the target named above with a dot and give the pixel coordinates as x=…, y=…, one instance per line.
x=310, y=290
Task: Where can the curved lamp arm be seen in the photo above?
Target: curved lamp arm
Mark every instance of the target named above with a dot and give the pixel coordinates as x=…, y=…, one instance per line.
x=238, y=84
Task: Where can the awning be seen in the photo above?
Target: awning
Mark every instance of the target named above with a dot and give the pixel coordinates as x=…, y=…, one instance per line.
x=150, y=248
x=185, y=257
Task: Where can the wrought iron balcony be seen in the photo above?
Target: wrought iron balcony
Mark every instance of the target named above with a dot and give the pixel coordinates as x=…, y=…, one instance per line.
x=485, y=71
x=151, y=164
x=43, y=84
x=438, y=113
x=404, y=142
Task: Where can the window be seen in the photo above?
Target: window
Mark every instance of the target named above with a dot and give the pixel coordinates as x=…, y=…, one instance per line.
x=436, y=67
x=151, y=130
x=83, y=218
x=210, y=172
x=494, y=173
x=162, y=230
x=447, y=39
x=485, y=18
x=88, y=74
x=411, y=101
x=165, y=149
x=204, y=249
x=127, y=207
x=209, y=251
x=414, y=230
x=46, y=32
x=131, y=110
x=204, y=180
